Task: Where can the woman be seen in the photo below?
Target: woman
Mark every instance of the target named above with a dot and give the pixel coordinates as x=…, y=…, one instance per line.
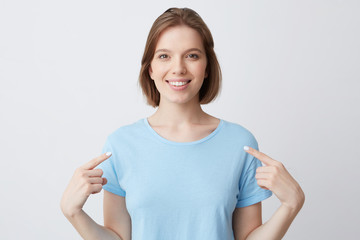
x=182, y=173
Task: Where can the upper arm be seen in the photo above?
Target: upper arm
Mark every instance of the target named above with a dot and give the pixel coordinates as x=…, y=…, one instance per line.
x=116, y=216
x=245, y=220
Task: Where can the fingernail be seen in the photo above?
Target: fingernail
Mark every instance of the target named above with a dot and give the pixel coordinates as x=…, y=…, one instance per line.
x=108, y=154
x=246, y=148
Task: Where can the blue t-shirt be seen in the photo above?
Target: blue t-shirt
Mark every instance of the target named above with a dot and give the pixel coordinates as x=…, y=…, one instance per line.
x=182, y=190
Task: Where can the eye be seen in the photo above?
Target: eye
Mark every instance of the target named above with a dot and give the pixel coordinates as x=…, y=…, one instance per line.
x=193, y=55
x=162, y=56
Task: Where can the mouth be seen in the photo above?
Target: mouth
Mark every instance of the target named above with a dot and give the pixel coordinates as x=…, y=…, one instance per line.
x=178, y=83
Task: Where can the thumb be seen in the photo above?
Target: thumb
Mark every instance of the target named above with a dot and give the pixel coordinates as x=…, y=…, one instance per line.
x=104, y=181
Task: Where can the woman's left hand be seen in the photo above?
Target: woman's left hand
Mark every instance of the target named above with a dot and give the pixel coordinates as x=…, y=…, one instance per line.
x=277, y=179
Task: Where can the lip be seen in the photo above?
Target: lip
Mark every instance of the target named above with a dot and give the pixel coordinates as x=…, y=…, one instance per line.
x=178, y=80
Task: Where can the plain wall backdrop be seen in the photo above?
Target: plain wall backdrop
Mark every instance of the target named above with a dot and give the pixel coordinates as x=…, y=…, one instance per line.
x=69, y=72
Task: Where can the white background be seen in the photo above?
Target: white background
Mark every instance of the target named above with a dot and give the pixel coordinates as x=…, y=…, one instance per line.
x=69, y=71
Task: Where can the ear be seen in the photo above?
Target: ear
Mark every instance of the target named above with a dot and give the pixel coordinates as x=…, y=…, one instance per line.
x=150, y=71
x=206, y=72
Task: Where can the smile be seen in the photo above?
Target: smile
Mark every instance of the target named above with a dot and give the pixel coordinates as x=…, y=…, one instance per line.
x=178, y=85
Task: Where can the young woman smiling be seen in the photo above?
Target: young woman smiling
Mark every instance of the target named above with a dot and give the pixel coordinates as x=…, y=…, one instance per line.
x=182, y=173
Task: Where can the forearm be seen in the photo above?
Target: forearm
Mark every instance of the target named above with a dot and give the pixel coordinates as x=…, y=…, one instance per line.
x=89, y=229
x=276, y=227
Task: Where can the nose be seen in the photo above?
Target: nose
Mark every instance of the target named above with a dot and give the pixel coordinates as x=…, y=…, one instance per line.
x=179, y=67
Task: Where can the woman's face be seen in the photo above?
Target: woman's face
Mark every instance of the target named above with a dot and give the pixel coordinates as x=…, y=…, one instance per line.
x=179, y=59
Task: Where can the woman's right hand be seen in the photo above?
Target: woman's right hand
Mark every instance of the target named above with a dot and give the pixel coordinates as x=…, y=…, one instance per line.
x=85, y=181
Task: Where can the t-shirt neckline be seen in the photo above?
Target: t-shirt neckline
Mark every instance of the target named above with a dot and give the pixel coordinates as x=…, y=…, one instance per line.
x=164, y=140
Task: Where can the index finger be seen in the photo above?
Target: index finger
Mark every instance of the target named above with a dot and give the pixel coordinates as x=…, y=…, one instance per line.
x=96, y=161
x=259, y=155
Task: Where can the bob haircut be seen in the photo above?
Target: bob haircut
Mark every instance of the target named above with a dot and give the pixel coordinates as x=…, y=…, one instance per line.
x=171, y=18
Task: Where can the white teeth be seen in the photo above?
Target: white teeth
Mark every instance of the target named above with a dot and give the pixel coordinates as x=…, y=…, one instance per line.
x=178, y=83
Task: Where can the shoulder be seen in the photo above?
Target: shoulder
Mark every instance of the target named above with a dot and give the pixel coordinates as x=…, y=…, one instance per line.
x=237, y=131
x=130, y=130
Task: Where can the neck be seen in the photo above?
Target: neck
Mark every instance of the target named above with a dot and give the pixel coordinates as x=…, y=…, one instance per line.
x=175, y=114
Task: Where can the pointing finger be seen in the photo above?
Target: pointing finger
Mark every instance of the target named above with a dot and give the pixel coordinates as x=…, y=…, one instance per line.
x=96, y=161
x=259, y=155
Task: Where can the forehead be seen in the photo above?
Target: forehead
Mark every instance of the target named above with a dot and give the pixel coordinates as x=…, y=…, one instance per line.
x=179, y=37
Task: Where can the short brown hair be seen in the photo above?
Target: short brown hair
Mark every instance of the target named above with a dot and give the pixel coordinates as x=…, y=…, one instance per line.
x=170, y=18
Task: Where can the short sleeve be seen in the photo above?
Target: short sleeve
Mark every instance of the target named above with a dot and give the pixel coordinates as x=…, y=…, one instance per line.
x=110, y=172
x=249, y=191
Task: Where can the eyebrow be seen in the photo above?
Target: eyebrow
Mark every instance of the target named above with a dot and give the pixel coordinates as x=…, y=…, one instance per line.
x=189, y=50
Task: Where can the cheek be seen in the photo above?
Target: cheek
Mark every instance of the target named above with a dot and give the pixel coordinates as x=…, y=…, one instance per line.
x=159, y=69
x=200, y=68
